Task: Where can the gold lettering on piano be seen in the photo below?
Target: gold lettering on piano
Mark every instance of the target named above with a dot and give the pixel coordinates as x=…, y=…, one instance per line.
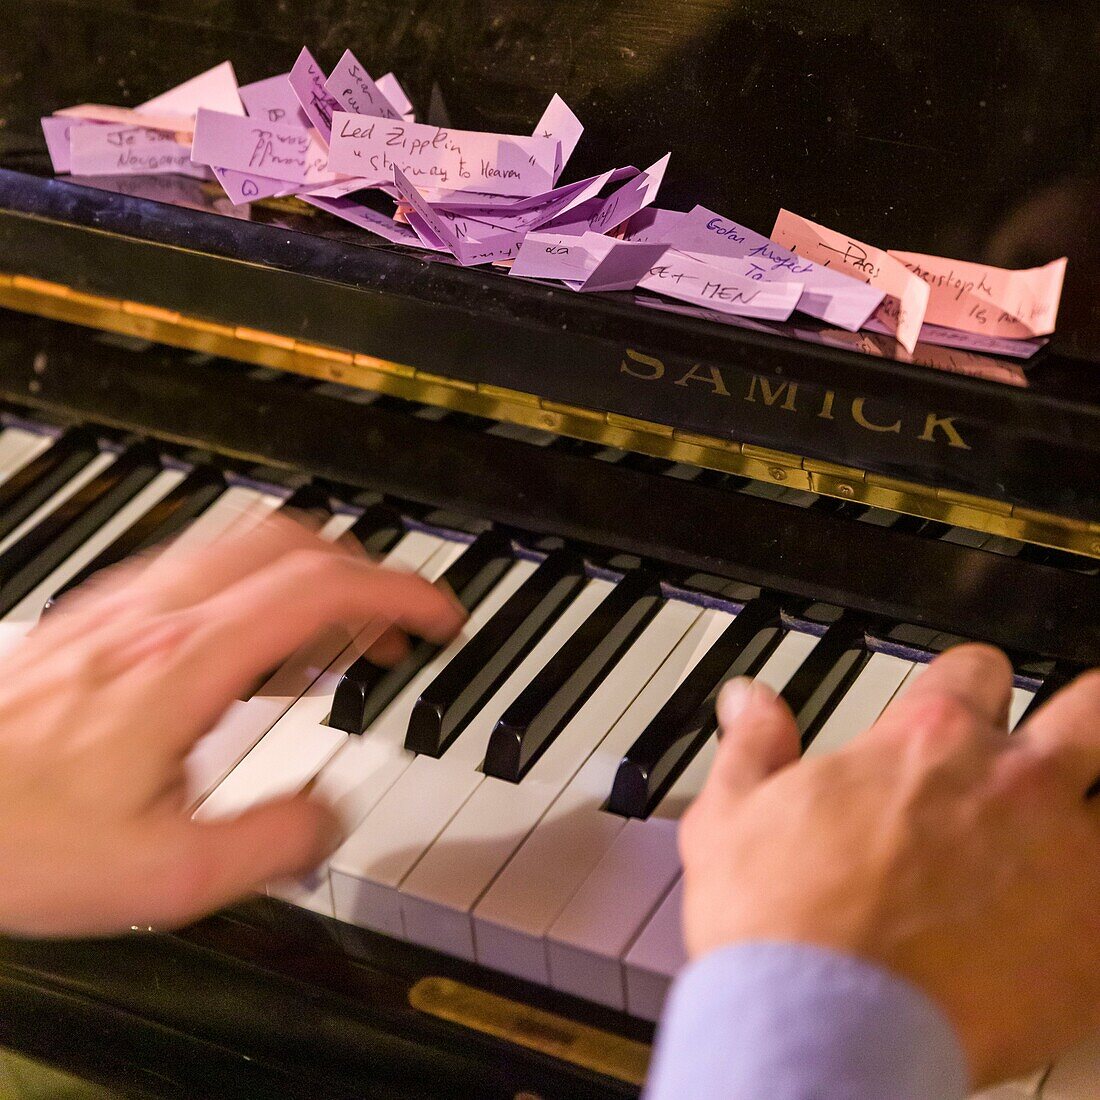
x=827, y=406
x=656, y=367
x=946, y=424
x=712, y=378
x=860, y=417
x=771, y=396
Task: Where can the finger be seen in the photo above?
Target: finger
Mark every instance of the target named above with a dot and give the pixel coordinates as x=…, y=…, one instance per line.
x=389, y=649
x=259, y=622
x=206, y=865
x=759, y=736
x=979, y=676
x=1068, y=727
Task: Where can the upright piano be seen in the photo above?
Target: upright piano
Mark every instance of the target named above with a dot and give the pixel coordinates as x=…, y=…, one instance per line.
x=634, y=502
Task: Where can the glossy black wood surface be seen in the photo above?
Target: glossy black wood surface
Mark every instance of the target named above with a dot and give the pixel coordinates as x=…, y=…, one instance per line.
x=967, y=131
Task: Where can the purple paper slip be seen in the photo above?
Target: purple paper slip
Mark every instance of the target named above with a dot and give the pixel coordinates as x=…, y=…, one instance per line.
x=428, y=155
x=352, y=87
x=631, y=197
x=828, y=295
x=308, y=82
x=273, y=150
x=560, y=124
x=474, y=205
x=653, y=224
x=715, y=283
x=591, y=262
x=370, y=220
x=241, y=187
x=274, y=100
x=56, y=132
x=97, y=150
x=391, y=88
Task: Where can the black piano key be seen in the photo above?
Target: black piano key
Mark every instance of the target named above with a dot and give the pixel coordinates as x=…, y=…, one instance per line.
x=549, y=702
x=166, y=519
x=32, y=485
x=687, y=720
x=1061, y=675
x=454, y=697
x=30, y=560
x=378, y=530
x=365, y=690
x=831, y=668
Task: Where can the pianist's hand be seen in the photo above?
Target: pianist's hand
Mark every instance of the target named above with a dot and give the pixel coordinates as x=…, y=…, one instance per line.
x=102, y=702
x=935, y=844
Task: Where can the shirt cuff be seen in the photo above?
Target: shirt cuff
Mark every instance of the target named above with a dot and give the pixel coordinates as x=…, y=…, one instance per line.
x=787, y=1021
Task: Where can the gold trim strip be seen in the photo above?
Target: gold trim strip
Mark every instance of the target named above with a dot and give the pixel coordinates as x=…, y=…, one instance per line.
x=62, y=303
x=533, y=1028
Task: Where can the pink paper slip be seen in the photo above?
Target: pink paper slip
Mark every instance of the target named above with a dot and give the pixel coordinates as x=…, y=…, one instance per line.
x=430, y=156
x=902, y=311
x=989, y=300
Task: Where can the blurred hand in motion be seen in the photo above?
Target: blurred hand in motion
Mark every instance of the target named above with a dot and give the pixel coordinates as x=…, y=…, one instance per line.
x=935, y=845
x=102, y=702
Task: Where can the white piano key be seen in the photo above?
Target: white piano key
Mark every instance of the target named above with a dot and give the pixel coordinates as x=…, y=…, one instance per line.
x=238, y=509
x=865, y=700
x=370, y=866
x=27, y=612
x=655, y=957
x=368, y=764
x=304, y=711
x=92, y=468
x=516, y=912
x=586, y=942
x=1021, y=698
x=18, y=447
x=1076, y=1075
x=438, y=895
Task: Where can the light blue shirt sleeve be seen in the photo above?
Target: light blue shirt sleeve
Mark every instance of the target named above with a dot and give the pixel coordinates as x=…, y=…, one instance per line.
x=785, y=1021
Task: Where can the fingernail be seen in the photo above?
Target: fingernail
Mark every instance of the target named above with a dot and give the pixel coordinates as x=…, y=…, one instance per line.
x=737, y=695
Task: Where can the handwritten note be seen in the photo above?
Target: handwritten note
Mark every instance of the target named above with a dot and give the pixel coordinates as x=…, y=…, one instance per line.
x=127, y=151
x=271, y=100
x=271, y=149
x=496, y=246
x=992, y=301
x=902, y=310
x=592, y=262
x=633, y=196
x=718, y=284
x=827, y=295
x=352, y=87
x=457, y=159
x=56, y=132
x=129, y=116
x=558, y=123
x=308, y=81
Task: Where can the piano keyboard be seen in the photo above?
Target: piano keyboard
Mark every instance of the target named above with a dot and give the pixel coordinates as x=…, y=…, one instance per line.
x=512, y=798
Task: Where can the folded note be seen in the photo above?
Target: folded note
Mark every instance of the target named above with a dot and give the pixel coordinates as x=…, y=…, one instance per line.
x=717, y=283
x=588, y=262
x=828, y=295
x=271, y=149
x=989, y=300
x=308, y=81
x=352, y=87
x=462, y=160
x=96, y=150
x=633, y=196
x=902, y=311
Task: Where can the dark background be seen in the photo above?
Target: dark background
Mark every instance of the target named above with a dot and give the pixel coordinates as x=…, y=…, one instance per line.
x=968, y=130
